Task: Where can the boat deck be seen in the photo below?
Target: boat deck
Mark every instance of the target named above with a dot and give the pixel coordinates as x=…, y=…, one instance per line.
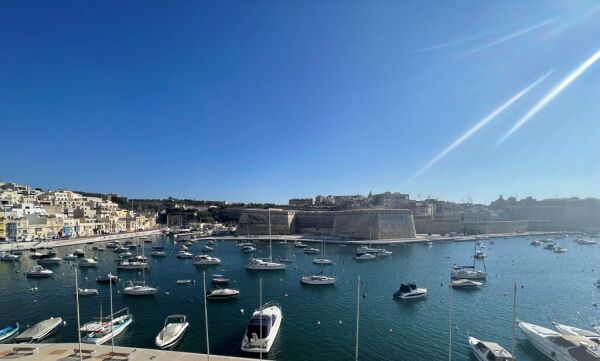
x=65, y=352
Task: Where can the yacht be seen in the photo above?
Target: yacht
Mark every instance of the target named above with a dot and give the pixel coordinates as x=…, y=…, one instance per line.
x=38, y=272
x=172, y=332
x=87, y=291
x=367, y=249
x=322, y=260
x=410, y=291
x=204, y=259
x=101, y=331
x=222, y=293
x=9, y=257
x=248, y=249
x=158, y=251
x=467, y=272
x=39, y=331
x=560, y=347
x=88, y=262
x=536, y=243
x=318, y=279
x=207, y=249
x=362, y=256
x=574, y=331
x=258, y=264
x=220, y=281
x=479, y=254
x=132, y=265
x=465, y=283
x=485, y=351
x=262, y=328
x=559, y=249
x=299, y=245
x=550, y=246
x=8, y=332
x=184, y=254
x=310, y=250
x=139, y=290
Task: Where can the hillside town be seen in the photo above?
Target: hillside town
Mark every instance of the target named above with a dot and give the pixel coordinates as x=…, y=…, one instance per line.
x=29, y=214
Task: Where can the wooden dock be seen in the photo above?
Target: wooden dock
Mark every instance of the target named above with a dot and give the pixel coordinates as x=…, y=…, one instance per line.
x=69, y=352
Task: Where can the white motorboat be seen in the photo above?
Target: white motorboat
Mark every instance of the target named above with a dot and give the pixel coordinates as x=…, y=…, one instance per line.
x=486, y=351
x=467, y=272
x=364, y=256
x=558, y=346
x=550, y=246
x=183, y=247
x=38, y=272
x=299, y=245
x=70, y=257
x=108, y=278
x=559, y=249
x=465, y=283
x=248, y=249
x=207, y=249
x=39, y=331
x=258, y=264
x=49, y=260
x=158, y=252
x=310, y=250
x=87, y=291
x=8, y=332
x=88, y=262
x=206, y=260
x=172, y=332
x=220, y=280
x=367, y=249
x=536, y=243
x=185, y=282
x=184, y=254
x=587, y=242
x=574, y=331
x=318, y=279
x=139, y=290
x=479, y=254
x=381, y=252
x=132, y=265
x=103, y=330
x=410, y=291
x=262, y=328
x=9, y=257
x=322, y=260
x=222, y=293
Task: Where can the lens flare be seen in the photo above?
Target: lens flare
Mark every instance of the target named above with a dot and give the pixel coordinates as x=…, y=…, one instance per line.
x=552, y=94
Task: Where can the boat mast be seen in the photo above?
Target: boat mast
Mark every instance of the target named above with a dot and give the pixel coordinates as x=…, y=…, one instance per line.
x=261, y=308
x=112, y=336
x=450, y=326
x=514, y=323
x=206, y=317
x=357, y=316
x=270, y=246
x=78, y=319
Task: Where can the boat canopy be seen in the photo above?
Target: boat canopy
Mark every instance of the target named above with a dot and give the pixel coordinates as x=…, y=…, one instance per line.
x=408, y=287
x=461, y=267
x=254, y=326
x=498, y=352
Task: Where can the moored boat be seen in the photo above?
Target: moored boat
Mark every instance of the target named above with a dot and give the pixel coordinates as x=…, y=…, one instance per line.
x=172, y=332
x=364, y=256
x=465, y=283
x=486, y=351
x=87, y=291
x=222, y=293
x=206, y=260
x=410, y=290
x=101, y=331
x=39, y=331
x=88, y=262
x=38, y=272
x=318, y=279
x=8, y=332
x=262, y=328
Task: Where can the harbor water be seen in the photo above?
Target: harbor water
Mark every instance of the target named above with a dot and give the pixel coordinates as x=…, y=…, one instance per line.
x=320, y=321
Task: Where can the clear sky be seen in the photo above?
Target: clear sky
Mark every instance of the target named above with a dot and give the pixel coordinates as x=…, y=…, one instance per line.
x=268, y=100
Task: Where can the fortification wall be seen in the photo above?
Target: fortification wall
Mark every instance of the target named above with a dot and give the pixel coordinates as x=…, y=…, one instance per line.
x=374, y=223
x=256, y=221
x=314, y=222
x=395, y=223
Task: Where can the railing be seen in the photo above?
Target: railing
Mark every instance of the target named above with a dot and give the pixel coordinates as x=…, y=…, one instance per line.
x=269, y=304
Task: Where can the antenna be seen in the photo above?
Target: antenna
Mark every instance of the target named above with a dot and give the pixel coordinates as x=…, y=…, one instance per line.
x=112, y=316
x=357, y=317
x=450, y=327
x=514, y=317
x=261, y=313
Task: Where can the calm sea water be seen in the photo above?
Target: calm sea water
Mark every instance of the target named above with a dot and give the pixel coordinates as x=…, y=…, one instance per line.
x=319, y=322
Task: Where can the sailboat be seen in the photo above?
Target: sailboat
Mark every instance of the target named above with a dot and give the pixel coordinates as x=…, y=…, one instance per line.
x=140, y=290
x=258, y=264
x=320, y=278
x=322, y=259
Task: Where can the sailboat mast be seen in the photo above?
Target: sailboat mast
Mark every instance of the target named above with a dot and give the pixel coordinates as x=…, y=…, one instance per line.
x=357, y=317
x=270, y=247
x=78, y=318
x=261, y=311
x=450, y=327
x=112, y=336
x=514, y=321
x=206, y=317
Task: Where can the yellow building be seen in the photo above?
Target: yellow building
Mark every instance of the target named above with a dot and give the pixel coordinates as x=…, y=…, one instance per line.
x=2, y=229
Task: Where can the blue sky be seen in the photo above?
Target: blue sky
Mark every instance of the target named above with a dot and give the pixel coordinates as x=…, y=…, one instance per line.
x=268, y=100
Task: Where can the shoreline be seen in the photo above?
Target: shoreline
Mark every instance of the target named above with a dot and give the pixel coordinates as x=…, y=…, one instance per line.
x=77, y=241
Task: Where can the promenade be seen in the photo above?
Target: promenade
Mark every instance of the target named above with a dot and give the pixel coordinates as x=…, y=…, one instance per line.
x=78, y=240
x=67, y=351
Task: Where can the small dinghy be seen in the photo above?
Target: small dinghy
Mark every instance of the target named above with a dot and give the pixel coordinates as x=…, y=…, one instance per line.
x=8, y=332
x=464, y=283
x=222, y=293
x=220, y=281
x=172, y=332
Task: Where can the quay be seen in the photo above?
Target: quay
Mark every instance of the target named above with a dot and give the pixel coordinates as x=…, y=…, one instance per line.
x=70, y=351
x=79, y=240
